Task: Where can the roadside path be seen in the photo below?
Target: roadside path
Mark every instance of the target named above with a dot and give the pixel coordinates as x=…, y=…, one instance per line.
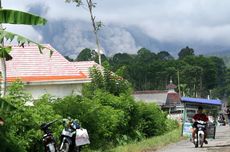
x=221, y=143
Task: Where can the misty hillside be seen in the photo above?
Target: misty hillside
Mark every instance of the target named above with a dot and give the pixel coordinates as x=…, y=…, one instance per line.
x=225, y=55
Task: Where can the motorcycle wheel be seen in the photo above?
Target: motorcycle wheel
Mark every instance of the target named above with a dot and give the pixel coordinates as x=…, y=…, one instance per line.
x=65, y=147
x=201, y=140
x=196, y=141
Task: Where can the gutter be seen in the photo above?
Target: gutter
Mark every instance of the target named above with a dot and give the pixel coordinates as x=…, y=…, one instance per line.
x=56, y=82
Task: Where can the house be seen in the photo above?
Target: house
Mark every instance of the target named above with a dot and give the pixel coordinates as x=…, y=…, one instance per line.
x=151, y=96
x=42, y=73
x=169, y=100
x=84, y=66
x=164, y=98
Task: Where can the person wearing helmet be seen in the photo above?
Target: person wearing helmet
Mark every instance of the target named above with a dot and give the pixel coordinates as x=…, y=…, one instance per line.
x=202, y=117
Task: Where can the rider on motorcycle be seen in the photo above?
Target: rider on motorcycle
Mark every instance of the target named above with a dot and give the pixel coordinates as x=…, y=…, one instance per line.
x=202, y=117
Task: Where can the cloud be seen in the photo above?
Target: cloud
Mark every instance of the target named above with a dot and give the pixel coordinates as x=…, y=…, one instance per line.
x=70, y=37
x=160, y=25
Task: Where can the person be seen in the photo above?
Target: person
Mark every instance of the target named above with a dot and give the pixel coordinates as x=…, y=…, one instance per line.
x=1, y=122
x=221, y=120
x=202, y=117
x=228, y=115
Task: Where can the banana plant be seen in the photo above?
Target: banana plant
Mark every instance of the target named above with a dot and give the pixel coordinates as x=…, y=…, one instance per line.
x=4, y=105
x=8, y=16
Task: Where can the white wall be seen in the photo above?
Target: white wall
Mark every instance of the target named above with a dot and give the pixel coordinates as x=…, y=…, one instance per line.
x=58, y=90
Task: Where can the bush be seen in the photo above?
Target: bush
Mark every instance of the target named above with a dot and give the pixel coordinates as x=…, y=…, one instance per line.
x=22, y=126
x=152, y=119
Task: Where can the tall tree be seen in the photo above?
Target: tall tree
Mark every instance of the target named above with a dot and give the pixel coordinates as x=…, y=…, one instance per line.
x=164, y=55
x=145, y=56
x=96, y=24
x=86, y=55
x=186, y=52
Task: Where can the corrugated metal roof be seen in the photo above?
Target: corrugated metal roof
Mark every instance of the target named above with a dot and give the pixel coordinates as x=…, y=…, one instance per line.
x=29, y=65
x=201, y=100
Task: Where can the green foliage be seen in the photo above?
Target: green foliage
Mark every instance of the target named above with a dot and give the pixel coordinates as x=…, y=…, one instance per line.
x=19, y=17
x=106, y=81
x=21, y=129
x=186, y=52
x=110, y=120
x=4, y=52
x=114, y=120
x=9, y=36
x=198, y=75
x=164, y=55
x=16, y=94
x=87, y=55
x=152, y=120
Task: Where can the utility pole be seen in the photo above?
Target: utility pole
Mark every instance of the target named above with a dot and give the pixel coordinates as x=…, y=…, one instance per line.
x=178, y=79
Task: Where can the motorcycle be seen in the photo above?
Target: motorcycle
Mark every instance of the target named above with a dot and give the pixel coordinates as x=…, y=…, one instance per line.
x=199, y=135
x=68, y=137
x=48, y=138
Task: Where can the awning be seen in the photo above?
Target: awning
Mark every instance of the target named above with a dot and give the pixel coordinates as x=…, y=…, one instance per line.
x=201, y=101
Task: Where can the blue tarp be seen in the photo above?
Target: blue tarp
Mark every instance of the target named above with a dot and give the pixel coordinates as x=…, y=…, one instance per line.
x=201, y=101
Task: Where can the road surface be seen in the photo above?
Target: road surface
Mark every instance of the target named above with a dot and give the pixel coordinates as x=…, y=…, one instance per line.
x=220, y=144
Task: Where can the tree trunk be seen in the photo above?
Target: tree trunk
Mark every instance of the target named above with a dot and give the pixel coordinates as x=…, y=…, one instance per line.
x=3, y=74
x=3, y=65
x=90, y=6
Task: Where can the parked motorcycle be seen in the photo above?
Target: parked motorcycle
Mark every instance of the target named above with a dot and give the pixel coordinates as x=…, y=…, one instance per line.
x=200, y=131
x=68, y=136
x=48, y=138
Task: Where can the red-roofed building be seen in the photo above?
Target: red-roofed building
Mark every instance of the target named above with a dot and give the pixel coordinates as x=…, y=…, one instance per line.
x=42, y=73
x=84, y=66
x=169, y=99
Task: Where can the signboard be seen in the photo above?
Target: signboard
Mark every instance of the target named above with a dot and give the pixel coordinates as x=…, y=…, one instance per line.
x=211, y=130
x=187, y=129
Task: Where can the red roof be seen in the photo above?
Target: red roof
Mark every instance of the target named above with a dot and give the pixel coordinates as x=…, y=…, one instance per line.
x=85, y=66
x=29, y=65
x=173, y=98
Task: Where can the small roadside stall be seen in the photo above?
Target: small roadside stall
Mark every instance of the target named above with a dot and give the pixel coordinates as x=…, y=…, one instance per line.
x=211, y=108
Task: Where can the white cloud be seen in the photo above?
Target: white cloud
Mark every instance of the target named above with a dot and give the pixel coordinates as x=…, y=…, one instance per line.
x=177, y=21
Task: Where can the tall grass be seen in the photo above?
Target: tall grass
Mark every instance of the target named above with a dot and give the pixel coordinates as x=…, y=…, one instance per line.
x=151, y=144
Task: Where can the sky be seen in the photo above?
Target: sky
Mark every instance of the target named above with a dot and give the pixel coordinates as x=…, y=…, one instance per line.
x=169, y=25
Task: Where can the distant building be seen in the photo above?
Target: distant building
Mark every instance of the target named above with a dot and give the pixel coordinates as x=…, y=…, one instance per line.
x=84, y=66
x=169, y=100
x=151, y=96
x=163, y=98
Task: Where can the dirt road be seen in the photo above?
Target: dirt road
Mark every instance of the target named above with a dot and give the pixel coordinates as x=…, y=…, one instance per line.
x=220, y=144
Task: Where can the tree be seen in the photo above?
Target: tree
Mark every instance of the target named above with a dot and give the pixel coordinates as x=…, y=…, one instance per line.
x=96, y=25
x=86, y=55
x=145, y=56
x=164, y=55
x=186, y=52
x=14, y=17
x=120, y=59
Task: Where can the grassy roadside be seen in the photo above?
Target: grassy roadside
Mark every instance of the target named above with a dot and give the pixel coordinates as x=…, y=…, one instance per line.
x=151, y=143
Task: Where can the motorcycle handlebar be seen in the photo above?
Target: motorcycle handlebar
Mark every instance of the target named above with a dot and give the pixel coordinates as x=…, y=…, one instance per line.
x=46, y=125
